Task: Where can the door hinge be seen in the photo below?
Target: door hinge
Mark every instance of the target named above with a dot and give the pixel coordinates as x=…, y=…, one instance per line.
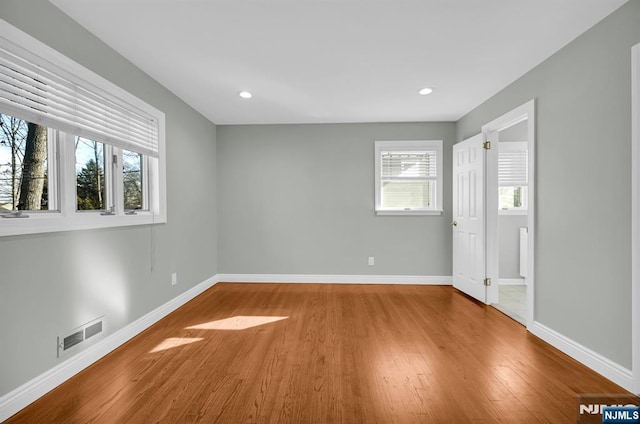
x=487, y=281
x=486, y=145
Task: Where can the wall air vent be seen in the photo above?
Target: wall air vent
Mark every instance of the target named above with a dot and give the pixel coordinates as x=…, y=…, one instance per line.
x=72, y=340
x=92, y=330
x=79, y=335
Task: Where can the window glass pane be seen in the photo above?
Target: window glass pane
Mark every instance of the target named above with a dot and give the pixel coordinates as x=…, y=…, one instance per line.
x=23, y=165
x=132, y=179
x=512, y=198
x=90, y=181
x=408, y=194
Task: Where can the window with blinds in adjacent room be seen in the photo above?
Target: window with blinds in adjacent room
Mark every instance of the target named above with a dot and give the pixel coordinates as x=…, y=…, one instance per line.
x=512, y=177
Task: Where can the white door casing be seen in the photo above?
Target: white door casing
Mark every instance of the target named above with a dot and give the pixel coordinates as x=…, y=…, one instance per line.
x=468, y=224
x=635, y=222
x=490, y=131
x=492, y=237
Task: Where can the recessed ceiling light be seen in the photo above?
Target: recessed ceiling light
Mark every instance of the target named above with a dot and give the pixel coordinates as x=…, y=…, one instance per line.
x=245, y=94
x=425, y=91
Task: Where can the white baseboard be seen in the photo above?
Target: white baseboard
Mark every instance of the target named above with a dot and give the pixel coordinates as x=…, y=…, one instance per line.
x=341, y=279
x=511, y=281
x=604, y=366
x=24, y=395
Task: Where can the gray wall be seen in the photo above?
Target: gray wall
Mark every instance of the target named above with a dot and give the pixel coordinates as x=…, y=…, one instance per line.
x=517, y=132
x=299, y=199
x=51, y=283
x=509, y=229
x=583, y=112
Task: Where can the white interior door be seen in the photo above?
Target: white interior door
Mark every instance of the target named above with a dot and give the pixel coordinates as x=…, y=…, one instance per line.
x=468, y=218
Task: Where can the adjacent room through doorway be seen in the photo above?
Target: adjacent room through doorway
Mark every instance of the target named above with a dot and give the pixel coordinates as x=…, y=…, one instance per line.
x=512, y=237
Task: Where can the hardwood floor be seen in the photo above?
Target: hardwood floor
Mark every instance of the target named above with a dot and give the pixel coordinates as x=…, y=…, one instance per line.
x=326, y=354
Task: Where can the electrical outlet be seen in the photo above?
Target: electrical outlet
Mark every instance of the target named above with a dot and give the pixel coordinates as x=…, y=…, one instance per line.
x=174, y=278
x=372, y=260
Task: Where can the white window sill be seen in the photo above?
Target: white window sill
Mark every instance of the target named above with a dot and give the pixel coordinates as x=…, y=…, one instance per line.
x=512, y=212
x=48, y=222
x=402, y=212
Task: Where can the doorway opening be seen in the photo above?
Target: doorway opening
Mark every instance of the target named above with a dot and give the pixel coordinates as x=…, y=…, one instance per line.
x=510, y=207
x=513, y=202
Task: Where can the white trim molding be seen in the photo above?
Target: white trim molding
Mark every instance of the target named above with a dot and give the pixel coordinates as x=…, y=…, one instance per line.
x=339, y=279
x=604, y=366
x=635, y=215
x=14, y=401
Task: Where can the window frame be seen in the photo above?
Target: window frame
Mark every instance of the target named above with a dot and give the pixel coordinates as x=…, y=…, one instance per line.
x=109, y=175
x=65, y=217
x=409, y=145
x=119, y=180
x=53, y=197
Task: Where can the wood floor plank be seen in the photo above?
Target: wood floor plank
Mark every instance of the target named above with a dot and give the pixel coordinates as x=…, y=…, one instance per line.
x=326, y=353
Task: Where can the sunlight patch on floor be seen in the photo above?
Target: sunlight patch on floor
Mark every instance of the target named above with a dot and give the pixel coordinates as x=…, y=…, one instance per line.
x=239, y=322
x=172, y=342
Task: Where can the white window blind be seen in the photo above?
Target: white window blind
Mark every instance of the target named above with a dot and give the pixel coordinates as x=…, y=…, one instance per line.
x=408, y=179
x=512, y=164
x=406, y=166
x=33, y=89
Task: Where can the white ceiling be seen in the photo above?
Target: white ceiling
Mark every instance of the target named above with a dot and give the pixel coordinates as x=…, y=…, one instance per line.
x=316, y=61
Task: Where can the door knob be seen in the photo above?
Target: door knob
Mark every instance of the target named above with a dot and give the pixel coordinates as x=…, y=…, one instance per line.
x=454, y=224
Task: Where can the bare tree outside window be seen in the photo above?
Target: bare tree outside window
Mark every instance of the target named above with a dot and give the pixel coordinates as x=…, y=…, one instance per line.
x=23, y=164
x=90, y=184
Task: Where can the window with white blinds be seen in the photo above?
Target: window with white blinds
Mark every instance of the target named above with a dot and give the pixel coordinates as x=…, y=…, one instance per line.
x=512, y=164
x=82, y=152
x=513, y=176
x=408, y=177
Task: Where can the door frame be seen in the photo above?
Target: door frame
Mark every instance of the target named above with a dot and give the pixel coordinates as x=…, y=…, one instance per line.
x=635, y=216
x=489, y=132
